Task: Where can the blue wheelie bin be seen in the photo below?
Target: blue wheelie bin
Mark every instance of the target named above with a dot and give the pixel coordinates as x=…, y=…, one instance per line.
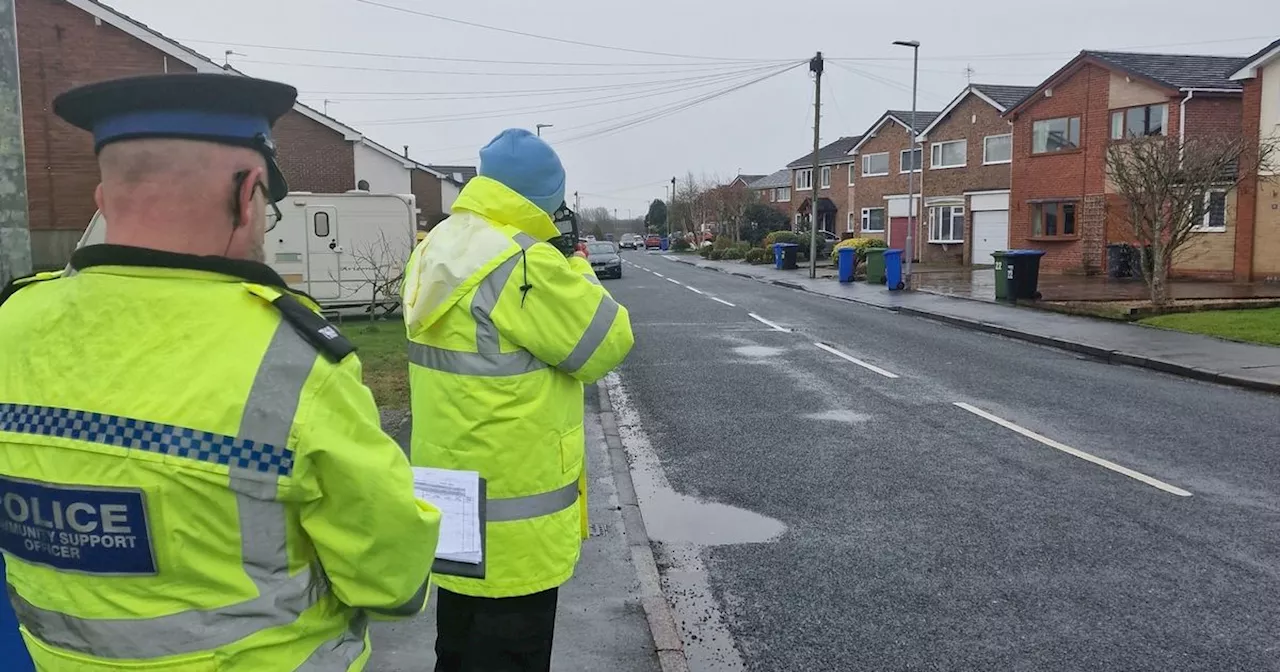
x=847, y=261
x=893, y=269
x=777, y=256
x=666, y=244
x=13, y=651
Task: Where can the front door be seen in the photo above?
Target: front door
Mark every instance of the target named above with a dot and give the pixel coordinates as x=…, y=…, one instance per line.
x=324, y=255
x=898, y=232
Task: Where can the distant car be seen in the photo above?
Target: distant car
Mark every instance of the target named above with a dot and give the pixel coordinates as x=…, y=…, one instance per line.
x=605, y=260
x=653, y=243
x=630, y=241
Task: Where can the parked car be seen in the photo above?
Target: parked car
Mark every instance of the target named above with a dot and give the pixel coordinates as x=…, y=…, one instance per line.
x=653, y=242
x=605, y=260
x=630, y=241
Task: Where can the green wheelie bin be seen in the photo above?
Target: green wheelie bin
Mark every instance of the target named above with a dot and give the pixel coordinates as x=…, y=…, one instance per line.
x=875, y=265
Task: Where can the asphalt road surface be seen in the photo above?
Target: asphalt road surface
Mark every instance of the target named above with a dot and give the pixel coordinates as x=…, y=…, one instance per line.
x=830, y=486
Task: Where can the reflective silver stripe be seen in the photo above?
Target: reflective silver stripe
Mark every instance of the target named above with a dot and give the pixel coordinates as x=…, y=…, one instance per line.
x=268, y=417
x=591, y=278
x=526, y=241
x=411, y=606
x=533, y=506
x=336, y=655
x=492, y=365
x=591, y=339
x=485, y=299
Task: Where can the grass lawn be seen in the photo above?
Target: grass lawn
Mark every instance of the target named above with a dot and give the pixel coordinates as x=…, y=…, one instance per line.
x=383, y=351
x=1258, y=326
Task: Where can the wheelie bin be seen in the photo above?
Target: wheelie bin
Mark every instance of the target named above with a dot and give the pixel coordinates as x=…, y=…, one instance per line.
x=1003, y=273
x=875, y=265
x=666, y=244
x=777, y=256
x=847, y=261
x=1025, y=278
x=789, y=252
x=893, y=269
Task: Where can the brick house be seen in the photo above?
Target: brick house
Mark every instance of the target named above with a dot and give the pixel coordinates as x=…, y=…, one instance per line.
x=835, y=186
x=774, y=190
x=1061, y=201
x=66, y=43
x=1257, y=239
x=968, y=150
x=436, y=188
x=882, y=160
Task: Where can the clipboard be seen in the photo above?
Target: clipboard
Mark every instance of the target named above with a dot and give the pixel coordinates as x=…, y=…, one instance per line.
x=463, y=569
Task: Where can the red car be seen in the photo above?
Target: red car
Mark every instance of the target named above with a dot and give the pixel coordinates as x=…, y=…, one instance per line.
x=653, y=243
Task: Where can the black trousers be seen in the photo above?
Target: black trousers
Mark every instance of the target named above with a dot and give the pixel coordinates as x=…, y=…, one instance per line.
x=481, y=634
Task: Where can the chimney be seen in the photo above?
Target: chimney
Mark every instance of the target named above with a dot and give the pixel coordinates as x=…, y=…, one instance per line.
x=406, y=151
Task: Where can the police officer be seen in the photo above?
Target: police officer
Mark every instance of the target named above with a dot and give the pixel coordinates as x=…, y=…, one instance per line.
x=504, y=331
x=192, y=475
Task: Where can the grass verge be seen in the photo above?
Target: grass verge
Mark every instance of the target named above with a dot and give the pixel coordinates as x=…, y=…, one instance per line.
x=1255, y=326
x=383, y=351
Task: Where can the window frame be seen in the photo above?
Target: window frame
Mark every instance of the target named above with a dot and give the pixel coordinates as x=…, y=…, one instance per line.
x=887, y=168
x=1204, y=226
x=1060, y=212
x=804, y=172
x=901, y=163
x=986, y=162
x=778, y=192
x=825, y=177
x=1122, y=116
x=315, y=224
x=852, y=172
x=1075, y=148
x=935, y=214
x=866, y=218
x=936, y=151
x=849, y=222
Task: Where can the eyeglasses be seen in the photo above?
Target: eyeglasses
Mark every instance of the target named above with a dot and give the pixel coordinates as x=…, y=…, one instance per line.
x=274, y=216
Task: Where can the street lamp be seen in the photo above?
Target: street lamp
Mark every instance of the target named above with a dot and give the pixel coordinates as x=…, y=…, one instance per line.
x=542, y=126
x=911, y=174
x=226, y=57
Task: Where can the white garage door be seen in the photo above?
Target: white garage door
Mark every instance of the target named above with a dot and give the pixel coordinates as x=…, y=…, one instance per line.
x=990, y=233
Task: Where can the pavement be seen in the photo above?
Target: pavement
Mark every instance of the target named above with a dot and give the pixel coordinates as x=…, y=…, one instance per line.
x=603, y=621
x=980, y=284
x=834, y=486
x=1190, y=355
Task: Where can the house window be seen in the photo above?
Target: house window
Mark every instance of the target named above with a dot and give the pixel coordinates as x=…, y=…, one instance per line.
x=826, y=177
x=1139, y=122
x=875, y=164
x=997, y=149
x=782, y=194
x=799, y=223
x=1053, y=219
x=946, y=224
x=950, y=154
x=321, y=221
x=849, y=222
x=852, y=172
x=907, y=164
x=804, y=179
x=1212, y=213
x=1055, y=135
x=873, y=220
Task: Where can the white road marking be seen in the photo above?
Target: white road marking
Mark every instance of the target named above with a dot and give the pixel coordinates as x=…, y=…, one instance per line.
x=695, y=291
x=723, y=301
x=673, y=280
x=767, y=322
x=1155, y=483
x=849, y=358
x=658, y=274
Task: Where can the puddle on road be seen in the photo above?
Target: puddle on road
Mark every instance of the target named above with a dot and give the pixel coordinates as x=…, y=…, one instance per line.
x=758, y=351
x=839, y=415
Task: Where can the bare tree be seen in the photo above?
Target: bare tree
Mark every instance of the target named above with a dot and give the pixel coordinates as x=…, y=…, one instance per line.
x=1166, y=183
x=380, y=264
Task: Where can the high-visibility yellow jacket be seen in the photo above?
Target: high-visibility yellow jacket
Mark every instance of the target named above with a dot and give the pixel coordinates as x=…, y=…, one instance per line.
x=503, y=333
x=192, y=475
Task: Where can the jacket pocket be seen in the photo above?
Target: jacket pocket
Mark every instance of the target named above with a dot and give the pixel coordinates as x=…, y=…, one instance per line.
x=57, y=660
x=572, y=450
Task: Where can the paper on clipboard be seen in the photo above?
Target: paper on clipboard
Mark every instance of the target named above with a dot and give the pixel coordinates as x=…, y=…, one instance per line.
x=457, y=495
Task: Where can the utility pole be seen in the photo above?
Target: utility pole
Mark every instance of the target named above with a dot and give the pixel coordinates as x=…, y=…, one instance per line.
x=15, y=238
x=915, y=145
x=671, y=207
x=815, y=66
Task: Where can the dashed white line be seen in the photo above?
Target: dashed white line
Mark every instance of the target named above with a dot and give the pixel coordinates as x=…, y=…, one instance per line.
x=723, y=301
x=1137, y=476
x=658, y=274
x=673, y=280
x=767, y=322
x=850, y=358
x=695, y=291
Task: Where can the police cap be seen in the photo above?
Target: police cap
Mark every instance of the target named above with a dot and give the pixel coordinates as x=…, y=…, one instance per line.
x=226, y=109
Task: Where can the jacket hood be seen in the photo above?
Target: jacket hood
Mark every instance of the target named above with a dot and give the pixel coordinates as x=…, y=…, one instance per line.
x=501, y=205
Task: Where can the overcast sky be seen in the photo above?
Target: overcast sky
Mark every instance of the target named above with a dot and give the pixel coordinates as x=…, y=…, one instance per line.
x=677, y=122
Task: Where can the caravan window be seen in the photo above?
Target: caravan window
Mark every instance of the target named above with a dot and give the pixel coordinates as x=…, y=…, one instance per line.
x=321, y=220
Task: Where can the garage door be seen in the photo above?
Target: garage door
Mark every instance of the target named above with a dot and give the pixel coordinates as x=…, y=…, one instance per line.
x=990, y=233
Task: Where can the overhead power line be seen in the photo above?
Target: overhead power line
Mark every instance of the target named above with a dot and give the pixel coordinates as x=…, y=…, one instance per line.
x=1034, y=55
x=466, y=73
x=548, y=38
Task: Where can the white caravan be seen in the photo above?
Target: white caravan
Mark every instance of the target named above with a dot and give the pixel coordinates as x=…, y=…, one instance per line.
x=344, y=250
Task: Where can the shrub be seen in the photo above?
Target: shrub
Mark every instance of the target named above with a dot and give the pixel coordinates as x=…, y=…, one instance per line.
x=781, y=237
x=859, y=245
x=716, y=255
x=722, y=242
x=759, y=255
x=680, y=244
x=704, y=251
x=736, y=252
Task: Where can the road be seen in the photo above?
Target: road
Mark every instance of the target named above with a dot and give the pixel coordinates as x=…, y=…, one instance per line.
x=912, y=496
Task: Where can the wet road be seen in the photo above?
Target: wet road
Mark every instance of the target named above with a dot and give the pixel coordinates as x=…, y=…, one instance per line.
x=834, y=487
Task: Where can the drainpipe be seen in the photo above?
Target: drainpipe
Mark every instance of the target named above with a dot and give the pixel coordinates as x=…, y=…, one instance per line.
x=1182, y=123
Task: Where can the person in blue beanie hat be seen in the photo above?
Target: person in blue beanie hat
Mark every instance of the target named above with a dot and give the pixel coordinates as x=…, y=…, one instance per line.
x=504, y=331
